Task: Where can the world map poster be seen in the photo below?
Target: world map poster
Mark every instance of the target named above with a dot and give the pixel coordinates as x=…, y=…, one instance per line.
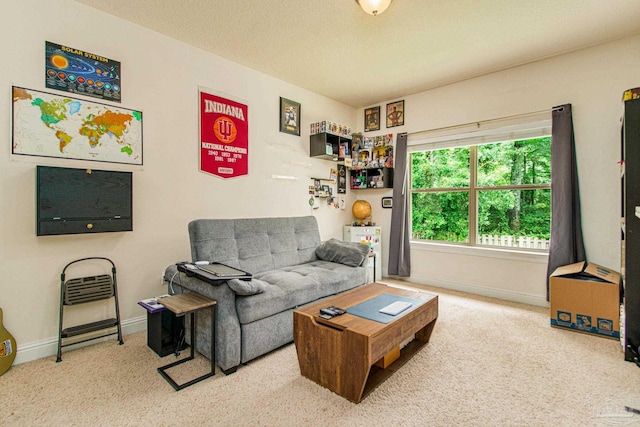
x=49, y=125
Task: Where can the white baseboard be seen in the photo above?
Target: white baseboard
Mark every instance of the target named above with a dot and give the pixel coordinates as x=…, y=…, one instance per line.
x=49, y=347
x=480, y=290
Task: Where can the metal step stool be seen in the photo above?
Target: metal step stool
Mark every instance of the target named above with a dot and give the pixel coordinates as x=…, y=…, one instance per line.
x=82, y=290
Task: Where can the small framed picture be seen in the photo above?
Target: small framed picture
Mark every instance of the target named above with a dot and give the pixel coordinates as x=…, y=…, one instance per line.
x=387, y=202
x=289, y=116
x=372, y=119
x=395, y=114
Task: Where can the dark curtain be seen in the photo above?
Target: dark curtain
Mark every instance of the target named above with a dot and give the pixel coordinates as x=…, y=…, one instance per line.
x=566, y=245
x=399, y=252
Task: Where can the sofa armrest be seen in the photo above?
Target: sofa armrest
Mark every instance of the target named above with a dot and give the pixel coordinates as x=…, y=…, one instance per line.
x=227, y=323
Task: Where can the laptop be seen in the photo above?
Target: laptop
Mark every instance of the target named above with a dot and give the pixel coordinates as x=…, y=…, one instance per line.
x=222, y=270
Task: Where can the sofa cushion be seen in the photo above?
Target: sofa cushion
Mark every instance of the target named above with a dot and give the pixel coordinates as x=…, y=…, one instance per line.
x=247, y=287
x=297, y=285
x=347, y=253
x=255, y=244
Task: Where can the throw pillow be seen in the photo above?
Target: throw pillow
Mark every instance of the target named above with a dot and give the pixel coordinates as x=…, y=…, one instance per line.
x=348, y=253
x=247, y=287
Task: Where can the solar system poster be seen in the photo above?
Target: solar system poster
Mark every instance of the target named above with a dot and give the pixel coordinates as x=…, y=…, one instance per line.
x=224, y=136
x=73, y=70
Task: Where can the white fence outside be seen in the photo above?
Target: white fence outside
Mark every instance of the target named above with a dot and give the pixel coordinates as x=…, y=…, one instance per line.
x=514, y=242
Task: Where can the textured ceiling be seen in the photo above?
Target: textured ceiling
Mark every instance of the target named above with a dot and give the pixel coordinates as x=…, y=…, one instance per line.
x=333, y=48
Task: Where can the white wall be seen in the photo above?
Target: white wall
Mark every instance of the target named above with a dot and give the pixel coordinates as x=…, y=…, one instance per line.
x=160, y=76
x=592, y=80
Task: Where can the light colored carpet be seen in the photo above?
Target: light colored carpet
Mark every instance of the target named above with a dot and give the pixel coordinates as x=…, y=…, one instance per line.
x=488, y=363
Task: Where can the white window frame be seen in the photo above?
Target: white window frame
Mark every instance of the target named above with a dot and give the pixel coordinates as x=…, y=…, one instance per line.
x=528, y=126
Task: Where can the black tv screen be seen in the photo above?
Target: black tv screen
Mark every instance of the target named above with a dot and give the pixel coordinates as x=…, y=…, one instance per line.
x=73, y=201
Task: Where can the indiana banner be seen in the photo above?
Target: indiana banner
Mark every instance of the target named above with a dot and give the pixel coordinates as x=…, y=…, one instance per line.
x=224, y=136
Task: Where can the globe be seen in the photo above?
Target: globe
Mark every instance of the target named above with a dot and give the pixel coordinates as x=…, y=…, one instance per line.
x=361, y=210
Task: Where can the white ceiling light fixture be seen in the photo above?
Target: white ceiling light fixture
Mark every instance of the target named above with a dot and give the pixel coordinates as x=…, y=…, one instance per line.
x=374, y=7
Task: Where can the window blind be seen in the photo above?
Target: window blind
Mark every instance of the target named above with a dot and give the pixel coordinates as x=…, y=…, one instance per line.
x=516, y=128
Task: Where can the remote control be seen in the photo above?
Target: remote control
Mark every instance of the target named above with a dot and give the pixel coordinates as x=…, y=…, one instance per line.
x=337, y=310
x=328, y=312
x=326, y=316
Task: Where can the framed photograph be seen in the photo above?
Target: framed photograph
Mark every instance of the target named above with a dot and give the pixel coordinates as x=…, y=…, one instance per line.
x=289, y=116
x=372, y=119
x=395, y=114
x=387, y=202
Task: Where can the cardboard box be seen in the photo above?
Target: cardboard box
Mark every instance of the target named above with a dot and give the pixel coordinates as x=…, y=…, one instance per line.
x=389, y=358
x=585, y=298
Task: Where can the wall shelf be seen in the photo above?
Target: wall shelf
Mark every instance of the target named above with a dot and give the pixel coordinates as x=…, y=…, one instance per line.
x=370, y=178
x=329, y=147
x=372, y=162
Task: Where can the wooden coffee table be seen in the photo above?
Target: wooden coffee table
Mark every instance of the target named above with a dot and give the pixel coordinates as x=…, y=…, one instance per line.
x=350, y=355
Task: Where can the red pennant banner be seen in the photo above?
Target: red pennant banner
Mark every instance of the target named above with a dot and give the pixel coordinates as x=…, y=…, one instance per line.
x=224, y=136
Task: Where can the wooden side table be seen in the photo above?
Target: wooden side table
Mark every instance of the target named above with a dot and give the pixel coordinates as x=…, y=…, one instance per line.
x=180, y=305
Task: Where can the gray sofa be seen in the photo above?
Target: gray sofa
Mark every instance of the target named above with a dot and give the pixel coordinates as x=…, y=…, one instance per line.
x=290, y=266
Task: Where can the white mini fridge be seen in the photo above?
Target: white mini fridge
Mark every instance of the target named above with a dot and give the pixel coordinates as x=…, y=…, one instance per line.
x=372, y=236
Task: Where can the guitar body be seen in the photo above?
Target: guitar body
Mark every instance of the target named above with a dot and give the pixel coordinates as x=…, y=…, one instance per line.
x=7, y=348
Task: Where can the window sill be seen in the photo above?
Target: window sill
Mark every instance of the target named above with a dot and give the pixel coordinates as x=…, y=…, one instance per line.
x=538, y=257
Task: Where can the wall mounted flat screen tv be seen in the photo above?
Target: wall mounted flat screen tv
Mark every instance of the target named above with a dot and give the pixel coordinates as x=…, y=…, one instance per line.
x=75, y=201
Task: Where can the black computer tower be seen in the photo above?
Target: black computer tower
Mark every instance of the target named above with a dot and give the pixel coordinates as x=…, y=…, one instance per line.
x=164, y=332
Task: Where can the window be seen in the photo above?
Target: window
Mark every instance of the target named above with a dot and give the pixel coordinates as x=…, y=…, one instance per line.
x=495, y=194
